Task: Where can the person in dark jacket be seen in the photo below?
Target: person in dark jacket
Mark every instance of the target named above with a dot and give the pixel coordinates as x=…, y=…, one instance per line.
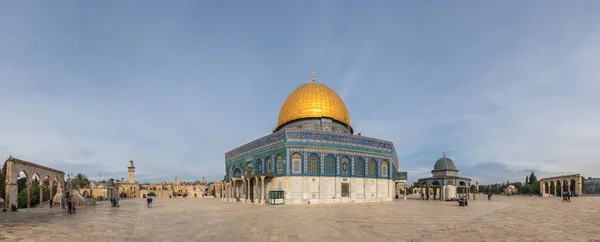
x=70, y=206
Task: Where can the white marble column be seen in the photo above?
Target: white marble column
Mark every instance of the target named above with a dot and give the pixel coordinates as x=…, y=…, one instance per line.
x=248, y=200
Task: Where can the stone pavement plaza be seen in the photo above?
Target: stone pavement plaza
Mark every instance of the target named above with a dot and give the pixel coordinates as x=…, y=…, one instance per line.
x=207, y=219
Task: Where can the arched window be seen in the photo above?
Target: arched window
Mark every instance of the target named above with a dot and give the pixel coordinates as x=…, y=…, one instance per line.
x=449, y=183
x=359, y=167
x=345, y=166
x=384, y=169
x=269, y=164
x=330, y=165
x=237, y=173
x=373, y=168
x=296, y=163
x=259, y=166
x=313, y=164
x=279, y=160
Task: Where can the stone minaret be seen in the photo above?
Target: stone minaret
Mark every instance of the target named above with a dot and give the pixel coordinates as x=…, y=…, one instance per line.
x=130, y=172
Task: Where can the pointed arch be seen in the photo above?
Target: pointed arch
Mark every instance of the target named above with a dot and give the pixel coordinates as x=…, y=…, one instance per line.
x=279, y=164
x=373, y=168
x=313, y=164
x=297, y=164
x=269, y=164
x=384, y=168
x=345, y=166
x=359, y=167
x=330, y=165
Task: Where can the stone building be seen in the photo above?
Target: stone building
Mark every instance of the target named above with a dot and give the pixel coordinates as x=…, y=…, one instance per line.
x=313, y=156
x=445, y=183
x=133, y=189
x=100, y=190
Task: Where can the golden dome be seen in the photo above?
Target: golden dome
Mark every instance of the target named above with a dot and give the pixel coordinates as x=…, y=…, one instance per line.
x=313, y=100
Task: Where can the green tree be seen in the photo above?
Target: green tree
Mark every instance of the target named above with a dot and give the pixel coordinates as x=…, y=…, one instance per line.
x=21, y=184
x=80, y=180
x=152, y=194
x=532, y=178
x=473, y=189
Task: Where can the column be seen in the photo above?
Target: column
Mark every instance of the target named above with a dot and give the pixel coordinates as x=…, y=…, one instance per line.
x=257, y=198
x=245, y=189
x=41, y=194
x=555, y=189
x=404, y=191
x=249, y=188
x=562, y=184
x=243, y=198
x=28, y=195
x=50, y=188
x=569, y=186
x=232, y=191
x=263, y=195
x=578, y=188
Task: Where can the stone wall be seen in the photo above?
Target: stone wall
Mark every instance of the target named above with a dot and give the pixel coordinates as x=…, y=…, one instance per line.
x=320, y=189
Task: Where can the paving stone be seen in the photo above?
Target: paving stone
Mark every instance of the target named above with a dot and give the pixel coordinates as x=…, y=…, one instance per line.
x=206, y=219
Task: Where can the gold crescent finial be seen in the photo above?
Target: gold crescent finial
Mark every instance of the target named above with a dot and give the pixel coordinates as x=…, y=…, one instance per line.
x=313, y=76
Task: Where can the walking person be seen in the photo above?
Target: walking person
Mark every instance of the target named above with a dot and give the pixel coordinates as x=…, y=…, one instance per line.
x=473, y=196
x=148, y=200
x=70, y=206
x=150, y=204
x=50, y=202
x=569, y=197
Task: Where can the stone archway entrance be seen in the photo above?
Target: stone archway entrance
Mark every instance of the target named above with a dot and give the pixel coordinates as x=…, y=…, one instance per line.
x=15, y=166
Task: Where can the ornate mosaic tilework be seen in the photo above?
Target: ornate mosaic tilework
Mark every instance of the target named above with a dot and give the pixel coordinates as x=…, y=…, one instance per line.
x=329, y=165
x=384, y=169
x=359, y=167
x=269, y=140
x=372, y=168
x=313, y=165
x=338, y=139
x=296, y=163
x=269, y=164
x=345, y=166
x=280, y=167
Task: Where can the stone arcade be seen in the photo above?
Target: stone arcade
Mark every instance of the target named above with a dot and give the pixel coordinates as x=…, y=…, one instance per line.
x=567, y=183
x=15, y=166
x=313, y=156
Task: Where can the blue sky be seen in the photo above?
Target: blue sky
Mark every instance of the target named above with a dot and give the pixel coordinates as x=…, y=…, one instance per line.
x=504, y=88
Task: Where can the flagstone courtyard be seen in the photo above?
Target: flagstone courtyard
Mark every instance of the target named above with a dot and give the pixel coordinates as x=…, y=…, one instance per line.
x=207, y=219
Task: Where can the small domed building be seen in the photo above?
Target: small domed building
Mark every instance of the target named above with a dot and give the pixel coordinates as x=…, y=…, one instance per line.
x=445, y=178
x=510, y=190
x=313, y=156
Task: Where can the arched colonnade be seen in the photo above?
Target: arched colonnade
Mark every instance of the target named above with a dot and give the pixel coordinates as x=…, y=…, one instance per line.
x=16, y=166
x=558, y=185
